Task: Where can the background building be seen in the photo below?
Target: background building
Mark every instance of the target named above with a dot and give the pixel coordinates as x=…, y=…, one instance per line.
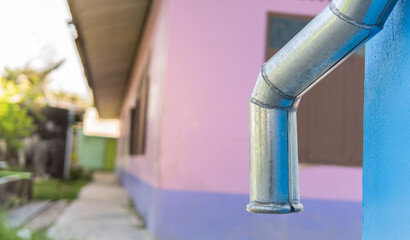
x=96, y=142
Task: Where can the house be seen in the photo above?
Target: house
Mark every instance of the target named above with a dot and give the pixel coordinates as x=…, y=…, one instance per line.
x=96, y=142
x=178, y=75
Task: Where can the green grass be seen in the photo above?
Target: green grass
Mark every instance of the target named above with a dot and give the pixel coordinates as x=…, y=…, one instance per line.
x=7, y=233
x=39, y=236
x=54, y=189
x=22, y=175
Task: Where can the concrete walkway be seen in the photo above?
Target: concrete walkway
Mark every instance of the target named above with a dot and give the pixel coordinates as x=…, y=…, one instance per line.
x=18, y=217
x=101, y=212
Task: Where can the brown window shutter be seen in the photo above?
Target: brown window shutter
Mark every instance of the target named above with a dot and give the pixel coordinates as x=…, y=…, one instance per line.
x=330, y=116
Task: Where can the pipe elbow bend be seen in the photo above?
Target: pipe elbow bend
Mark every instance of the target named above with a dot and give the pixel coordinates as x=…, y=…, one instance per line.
x=267, y=95
x=274, y=184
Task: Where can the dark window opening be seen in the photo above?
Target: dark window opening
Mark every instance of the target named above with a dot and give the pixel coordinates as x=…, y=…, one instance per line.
x=139, y=119
x=330, y=115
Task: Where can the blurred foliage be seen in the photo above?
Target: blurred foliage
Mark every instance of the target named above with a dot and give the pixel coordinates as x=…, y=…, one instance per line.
x=79, y=173
x=30, y=85
x=76, y=99
x=15, y=124
x=13, y=201
x=9, y=233
x=21, y=91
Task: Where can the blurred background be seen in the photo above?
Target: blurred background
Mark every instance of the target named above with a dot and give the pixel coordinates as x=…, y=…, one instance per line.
x=128, y=119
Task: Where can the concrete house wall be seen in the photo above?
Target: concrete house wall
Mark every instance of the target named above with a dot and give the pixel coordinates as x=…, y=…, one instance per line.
x=202, y=58
x=386, y=161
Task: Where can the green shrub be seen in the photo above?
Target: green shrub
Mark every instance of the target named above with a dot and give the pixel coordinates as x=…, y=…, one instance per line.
x=79, y=173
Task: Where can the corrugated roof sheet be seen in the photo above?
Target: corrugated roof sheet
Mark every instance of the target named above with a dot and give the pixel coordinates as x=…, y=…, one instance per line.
x=109, y=32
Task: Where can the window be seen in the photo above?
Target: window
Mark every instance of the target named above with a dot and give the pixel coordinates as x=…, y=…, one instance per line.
x=139, y=118
x=330, y=116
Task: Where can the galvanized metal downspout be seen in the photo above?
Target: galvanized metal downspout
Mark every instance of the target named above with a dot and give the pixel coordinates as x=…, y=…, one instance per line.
x=331, y=37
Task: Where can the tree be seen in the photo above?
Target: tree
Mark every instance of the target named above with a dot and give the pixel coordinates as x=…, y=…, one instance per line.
x=21, y=91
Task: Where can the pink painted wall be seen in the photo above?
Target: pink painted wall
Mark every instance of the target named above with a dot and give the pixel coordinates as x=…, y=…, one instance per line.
x=205, y=58
x=216, y=49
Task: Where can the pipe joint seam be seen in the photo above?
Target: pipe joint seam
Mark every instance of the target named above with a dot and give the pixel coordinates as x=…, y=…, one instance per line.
x=352, y=21
x=267, y=95
x=292, y=108
x=272, y=86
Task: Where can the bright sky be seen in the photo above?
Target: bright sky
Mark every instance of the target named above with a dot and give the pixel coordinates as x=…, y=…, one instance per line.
x=37, y=31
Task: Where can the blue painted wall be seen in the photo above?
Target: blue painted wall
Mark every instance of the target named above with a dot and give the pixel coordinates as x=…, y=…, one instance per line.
x=143, y=196
x=187, y=215
x=386, y=166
